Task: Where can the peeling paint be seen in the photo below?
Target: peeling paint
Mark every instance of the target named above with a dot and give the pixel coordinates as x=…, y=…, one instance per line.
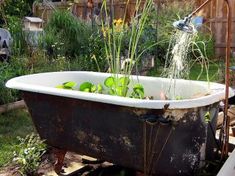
x=127, y=141
x=172, y=158
x=176, y=114
x=191, y=157
x=122, y=140
x=95, y=139
x=140, y=112
x=81, y=136
x=202, y=155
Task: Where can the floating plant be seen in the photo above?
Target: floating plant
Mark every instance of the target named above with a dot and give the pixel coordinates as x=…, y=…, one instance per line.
x=114, y=86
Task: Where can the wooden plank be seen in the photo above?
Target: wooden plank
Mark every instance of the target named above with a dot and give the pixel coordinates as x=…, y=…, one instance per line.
x=11, y=106
x=223, y=45
x=218, y=20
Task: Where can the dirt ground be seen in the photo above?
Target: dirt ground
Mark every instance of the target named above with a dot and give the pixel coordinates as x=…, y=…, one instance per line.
x=73, y=166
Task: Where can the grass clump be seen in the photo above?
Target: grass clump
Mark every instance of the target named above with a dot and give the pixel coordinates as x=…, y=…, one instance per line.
x=12, y=124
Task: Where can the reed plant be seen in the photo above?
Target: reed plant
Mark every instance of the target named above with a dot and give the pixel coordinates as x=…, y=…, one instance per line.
x=115, y=32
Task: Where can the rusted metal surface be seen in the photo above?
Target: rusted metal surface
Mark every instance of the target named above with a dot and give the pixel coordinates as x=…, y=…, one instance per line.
x=59, y=155
x=121, y=134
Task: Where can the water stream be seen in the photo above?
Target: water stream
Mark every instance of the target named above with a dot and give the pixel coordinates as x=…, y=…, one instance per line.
x=177, y=61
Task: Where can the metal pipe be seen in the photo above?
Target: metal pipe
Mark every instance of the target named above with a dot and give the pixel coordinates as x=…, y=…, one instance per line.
x=200, y=7
x=227, y=76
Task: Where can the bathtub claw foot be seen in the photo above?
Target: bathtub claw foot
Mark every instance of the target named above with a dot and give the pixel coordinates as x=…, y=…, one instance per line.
x=139, y=174
x=59, y=155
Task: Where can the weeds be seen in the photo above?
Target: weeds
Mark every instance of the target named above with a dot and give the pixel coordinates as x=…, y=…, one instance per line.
x=28, y=154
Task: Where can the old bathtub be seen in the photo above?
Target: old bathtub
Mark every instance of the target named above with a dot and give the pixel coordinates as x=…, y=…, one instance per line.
x=158, y=137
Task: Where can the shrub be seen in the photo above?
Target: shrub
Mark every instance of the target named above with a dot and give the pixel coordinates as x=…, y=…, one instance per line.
x=68, y=36
x=19, y=46
x=18, y=66
x=15, y=67
x=19, y=8
x=28, y=154
x=11, y=14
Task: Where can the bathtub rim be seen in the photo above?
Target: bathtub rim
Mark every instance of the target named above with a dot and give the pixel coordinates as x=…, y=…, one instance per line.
x=217, y=93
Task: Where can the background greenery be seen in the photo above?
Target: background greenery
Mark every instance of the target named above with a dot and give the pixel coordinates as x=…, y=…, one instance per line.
x=69, y=43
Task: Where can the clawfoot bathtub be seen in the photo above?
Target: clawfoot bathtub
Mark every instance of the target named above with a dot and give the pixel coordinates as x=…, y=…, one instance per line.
x=157, y=137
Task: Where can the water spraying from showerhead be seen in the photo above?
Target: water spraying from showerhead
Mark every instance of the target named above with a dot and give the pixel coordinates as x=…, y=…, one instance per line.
x=185, y=25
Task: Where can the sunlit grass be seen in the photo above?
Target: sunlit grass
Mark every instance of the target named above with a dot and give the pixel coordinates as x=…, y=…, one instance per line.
x=12, y=124
x=214, y=72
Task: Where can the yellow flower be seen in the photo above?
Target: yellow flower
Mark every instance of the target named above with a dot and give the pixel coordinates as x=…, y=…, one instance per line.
x=118, y=22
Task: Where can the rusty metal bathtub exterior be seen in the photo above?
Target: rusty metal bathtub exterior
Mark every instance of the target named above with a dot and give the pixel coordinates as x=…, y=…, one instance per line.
x=166, y=140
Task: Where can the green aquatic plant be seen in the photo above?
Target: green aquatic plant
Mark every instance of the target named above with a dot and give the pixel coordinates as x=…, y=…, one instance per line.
x=138, y=91
x=120, y=87
x=67, y=85
x=117, y=87
x=89, y=87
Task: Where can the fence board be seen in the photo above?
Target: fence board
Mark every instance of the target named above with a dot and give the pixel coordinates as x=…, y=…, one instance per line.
x=214, y=14
x=216, y=17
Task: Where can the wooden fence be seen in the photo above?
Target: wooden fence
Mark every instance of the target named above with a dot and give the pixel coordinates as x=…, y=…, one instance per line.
x=214, y=14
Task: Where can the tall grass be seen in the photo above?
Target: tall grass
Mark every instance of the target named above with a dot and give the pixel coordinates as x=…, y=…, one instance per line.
x=115, y=32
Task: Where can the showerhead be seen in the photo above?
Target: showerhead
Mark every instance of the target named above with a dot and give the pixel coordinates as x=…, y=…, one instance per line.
x=184, y=25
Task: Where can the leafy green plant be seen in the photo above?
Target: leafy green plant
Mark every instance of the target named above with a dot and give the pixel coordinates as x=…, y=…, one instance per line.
x=117, y=85
x=89, y=87
x=29, y=153
x=15, y=67
x=67, y=85
x=19, y=46
x=138, y=91
x=19, y=8
x=76, y=40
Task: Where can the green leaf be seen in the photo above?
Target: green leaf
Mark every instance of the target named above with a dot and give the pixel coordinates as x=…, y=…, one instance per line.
x=93, y=88
x=87, y=90
x=121, y=91
x=69, y=85
x=109, y=82
x=60, y=87
x=140, y=94
x=138, y=87
x=111, y=92
x=123, y=81
x=99, y=88
x=207, y=117
x=85, y=87
x=138, y=91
